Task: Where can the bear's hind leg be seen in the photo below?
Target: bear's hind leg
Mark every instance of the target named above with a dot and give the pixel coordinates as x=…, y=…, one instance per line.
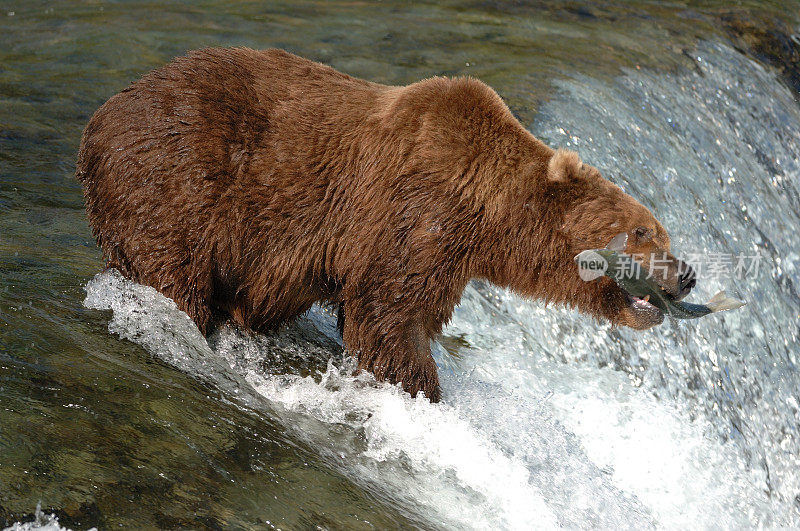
x=194, y=300
x=191, y=288
x=396, y=352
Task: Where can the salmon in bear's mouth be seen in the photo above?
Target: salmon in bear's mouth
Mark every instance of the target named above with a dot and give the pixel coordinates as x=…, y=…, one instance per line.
x=647, y=295
x=640, y=288
x=640, y=304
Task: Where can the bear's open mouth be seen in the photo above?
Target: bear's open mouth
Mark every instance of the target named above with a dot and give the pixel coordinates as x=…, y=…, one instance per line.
x=647, y=312
x=641, y=303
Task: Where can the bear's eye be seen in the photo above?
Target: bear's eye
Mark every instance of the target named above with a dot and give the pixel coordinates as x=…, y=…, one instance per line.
x=643, y=234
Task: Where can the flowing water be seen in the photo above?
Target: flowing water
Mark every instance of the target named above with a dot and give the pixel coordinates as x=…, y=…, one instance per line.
x=115, y=411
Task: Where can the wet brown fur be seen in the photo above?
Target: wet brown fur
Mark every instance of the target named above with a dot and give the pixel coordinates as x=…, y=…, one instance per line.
x=251, y=184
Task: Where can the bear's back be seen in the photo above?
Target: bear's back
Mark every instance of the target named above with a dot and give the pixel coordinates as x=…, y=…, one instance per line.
x=209, y=104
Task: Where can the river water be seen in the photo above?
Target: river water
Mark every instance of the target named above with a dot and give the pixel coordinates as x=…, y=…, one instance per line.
x=115, y=411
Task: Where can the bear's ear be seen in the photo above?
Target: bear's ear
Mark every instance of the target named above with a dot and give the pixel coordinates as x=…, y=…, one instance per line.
x=564, y=166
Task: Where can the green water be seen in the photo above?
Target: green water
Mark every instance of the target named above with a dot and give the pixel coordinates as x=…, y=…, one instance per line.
x=94, y=427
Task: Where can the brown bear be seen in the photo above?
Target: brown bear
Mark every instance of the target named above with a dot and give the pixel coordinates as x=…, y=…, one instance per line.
x=250, y=184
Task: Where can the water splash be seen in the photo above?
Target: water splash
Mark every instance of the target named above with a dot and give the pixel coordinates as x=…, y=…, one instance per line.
x=715, y=152
x=41, y=522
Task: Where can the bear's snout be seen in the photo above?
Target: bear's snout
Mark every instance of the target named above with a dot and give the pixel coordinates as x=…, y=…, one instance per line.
x=676, y=277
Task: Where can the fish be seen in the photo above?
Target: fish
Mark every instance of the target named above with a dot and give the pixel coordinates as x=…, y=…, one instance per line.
x=638, y=282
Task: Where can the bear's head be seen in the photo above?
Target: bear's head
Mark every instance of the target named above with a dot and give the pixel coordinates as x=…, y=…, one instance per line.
x=589, y=212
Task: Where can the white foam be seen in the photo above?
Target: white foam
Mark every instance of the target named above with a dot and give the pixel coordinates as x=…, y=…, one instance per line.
x=649, y=447
x=41, y=522
x=450, y=469
x=435, y=463
x=509, y=447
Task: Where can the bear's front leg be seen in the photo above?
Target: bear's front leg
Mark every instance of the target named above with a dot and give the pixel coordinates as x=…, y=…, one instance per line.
x=393, y=351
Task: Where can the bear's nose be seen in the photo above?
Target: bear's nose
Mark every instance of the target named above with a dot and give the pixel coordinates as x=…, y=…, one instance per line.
x=687, y=278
